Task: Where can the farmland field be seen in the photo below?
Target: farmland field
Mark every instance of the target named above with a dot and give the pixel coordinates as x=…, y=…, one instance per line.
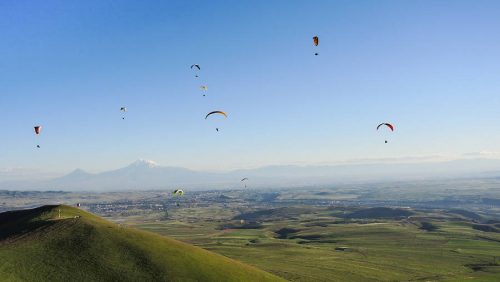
x=303, y=247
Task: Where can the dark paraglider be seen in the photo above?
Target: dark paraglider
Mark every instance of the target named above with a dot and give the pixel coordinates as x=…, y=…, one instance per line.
x=124, y=110
x=197, y=68
x=243, y=180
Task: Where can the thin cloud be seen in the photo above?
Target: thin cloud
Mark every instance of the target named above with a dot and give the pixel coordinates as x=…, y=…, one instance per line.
x=483, y=155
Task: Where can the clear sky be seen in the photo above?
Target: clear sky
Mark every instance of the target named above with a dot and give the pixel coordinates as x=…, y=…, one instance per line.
x=430, y=67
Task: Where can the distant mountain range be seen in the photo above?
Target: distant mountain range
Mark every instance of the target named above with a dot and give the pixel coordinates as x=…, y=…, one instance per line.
x=147, y=175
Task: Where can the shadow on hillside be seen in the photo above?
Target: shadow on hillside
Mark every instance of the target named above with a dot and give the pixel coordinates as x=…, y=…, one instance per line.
x=20, y=222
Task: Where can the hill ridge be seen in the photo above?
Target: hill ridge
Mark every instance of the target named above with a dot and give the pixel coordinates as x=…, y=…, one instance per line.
x=62, y=243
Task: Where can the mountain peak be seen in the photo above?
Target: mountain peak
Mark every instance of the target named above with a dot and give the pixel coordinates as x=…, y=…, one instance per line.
x=144, y=163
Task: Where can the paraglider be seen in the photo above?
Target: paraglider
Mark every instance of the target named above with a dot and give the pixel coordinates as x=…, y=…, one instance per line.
x=196, y=66
x=316, y=43
x=178, y=192
x=244, y=179
x=38, y=130
x=390, y=126
x=204, y=88
x=124, y=110
x=216, y=112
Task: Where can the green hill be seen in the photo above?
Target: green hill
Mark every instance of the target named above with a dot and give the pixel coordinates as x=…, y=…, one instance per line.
x=61, y=243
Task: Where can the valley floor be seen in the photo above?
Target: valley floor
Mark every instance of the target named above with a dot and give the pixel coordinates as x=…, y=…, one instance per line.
x=319, y=246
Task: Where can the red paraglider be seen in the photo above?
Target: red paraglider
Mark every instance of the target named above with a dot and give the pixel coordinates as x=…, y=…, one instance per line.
x=38, y=129
x=391, y=127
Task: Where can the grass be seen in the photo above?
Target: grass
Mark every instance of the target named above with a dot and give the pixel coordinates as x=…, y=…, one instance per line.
x=378, y=250
x=61, y=243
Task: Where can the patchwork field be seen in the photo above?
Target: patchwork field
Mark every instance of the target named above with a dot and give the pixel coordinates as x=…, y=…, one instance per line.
x=313, y=244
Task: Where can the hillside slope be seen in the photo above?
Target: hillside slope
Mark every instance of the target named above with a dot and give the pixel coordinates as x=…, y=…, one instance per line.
x=61, y=243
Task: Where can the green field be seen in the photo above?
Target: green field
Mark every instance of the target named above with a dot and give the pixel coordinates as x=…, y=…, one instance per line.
x=390, y=249
x=60, y=243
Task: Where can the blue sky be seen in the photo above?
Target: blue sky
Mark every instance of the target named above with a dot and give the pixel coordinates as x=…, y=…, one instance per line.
x=430, y=67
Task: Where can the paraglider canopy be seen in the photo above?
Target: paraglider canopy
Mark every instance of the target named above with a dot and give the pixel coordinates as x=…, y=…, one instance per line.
x=204, y=87
x=196, y=66
x=316, y=43
x=216, y=112
x=390, y=126
x=178, y=192
x=38, y=129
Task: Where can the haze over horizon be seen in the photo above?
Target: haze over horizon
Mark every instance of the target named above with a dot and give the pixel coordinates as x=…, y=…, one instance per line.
x=20, y=173
x=428, y=67
x=149, y=175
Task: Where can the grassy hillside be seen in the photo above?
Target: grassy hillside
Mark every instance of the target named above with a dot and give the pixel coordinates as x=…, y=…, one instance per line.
x=61, y=243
